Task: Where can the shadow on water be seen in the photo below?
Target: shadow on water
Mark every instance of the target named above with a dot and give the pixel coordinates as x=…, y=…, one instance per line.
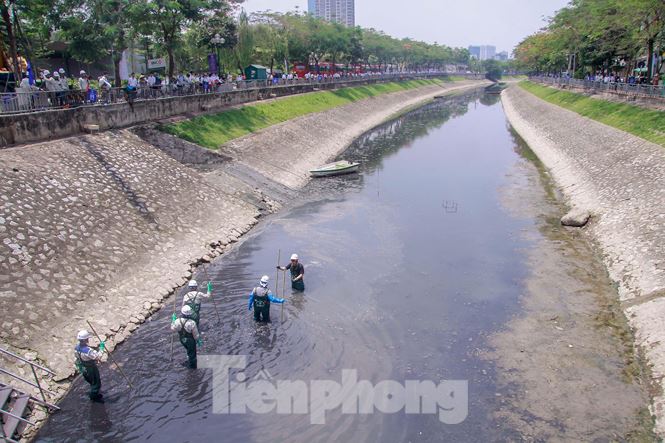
x=409, y=266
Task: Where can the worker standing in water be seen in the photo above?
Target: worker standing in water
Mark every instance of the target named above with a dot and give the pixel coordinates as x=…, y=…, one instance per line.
x=188, y=333
x=260, y=298
x=297, y=273
x=193, y=299
x=86, y=363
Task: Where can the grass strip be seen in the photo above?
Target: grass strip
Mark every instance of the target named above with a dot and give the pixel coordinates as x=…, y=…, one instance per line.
x=214, y=130
x=646, y=123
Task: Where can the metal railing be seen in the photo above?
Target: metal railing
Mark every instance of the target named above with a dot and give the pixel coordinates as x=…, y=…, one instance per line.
x=26, y=100
x=621, y=88
x=36, y=384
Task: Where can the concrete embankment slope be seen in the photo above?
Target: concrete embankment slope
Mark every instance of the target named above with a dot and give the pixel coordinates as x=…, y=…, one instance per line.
x=105, y=227
x=99, y=228
x=286, y=152
x=620, y=179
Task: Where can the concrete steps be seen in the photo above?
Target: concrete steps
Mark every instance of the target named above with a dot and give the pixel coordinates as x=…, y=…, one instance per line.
x=15, y=407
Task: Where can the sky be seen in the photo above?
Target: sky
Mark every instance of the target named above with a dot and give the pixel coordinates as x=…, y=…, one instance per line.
x=457, y=23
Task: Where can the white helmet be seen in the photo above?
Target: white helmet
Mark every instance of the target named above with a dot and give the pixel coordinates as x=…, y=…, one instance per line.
x=56, y=75
x=294, y=257
x=192, y=284
x=187, y=310
x=83, y=335
x=61, y=71
x=82, y=72
x=264, y=280
x=46, y=72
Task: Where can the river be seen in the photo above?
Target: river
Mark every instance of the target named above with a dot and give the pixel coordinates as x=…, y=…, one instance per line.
x=411, y=266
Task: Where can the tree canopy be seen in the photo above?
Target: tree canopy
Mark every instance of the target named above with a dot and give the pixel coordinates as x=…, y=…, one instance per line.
x=183, y=30
x=592, y=35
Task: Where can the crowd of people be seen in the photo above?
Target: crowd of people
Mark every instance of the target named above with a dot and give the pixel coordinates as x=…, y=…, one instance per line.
x=58, y=89
x=615, y=77
x=632, y=79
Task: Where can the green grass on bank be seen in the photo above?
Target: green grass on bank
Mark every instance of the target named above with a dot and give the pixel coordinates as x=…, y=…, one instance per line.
x=646, y=123
x=214, y=130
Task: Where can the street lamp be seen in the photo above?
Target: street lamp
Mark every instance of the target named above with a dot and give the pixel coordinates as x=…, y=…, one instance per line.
x=217, y=41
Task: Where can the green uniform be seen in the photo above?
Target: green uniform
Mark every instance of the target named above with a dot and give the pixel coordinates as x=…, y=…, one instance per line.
x=261, y=305
x=296, y=270
x=189, y=334
x=193, y=300
x=260, y=298
x=86, y=363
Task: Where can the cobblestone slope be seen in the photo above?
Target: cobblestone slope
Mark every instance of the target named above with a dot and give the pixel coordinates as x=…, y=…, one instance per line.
x=99, y=227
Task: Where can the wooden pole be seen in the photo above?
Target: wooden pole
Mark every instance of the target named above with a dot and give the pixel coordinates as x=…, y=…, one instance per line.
x=279, y=258
x=283, y=294
x=175, y=296
x=109, y=354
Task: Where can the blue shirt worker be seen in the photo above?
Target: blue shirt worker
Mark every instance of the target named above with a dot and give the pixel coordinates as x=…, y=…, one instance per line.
x=86, y=363
x=188, y=332
x=261, y=297
x=297, y=273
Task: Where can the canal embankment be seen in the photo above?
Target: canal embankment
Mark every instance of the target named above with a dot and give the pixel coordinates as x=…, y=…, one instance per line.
x=620, y=179
x=402, y=284
x=106, y=227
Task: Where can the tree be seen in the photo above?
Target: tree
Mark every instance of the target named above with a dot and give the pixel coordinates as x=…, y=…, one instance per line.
x=94, y=27
x=5, y=6
x=647, y=21
x=168, y=19
x=493, y=69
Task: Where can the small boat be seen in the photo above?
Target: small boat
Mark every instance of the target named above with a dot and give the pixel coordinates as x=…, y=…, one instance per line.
x=336, y=168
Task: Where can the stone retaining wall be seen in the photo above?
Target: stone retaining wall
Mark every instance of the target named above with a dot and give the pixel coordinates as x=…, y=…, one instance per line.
x=620, y=179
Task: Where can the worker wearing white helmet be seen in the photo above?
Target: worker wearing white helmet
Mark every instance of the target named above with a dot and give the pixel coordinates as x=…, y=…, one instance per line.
x=261, y=297
x=188, y=332
x=86, y=363
x=193, y=298
x=297, y=273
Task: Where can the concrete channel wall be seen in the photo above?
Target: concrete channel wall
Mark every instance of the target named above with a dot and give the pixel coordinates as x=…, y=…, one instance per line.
x=50, y=124
x=106, y=227
x=620, y=179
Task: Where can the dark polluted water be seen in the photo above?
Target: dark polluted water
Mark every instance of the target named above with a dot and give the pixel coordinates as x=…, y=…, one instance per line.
x=410, y=265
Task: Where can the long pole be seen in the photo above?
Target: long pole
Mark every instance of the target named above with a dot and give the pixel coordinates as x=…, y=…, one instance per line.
x=175, y=296
x=283, y=294
x=214, y=303
x=110, y=357
x=279, y=258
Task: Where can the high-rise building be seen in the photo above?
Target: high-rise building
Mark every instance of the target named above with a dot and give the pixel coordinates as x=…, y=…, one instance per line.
x=502, y=56
x=483, y=52
x=487, y=52
x=340, y=11
x=474, y=52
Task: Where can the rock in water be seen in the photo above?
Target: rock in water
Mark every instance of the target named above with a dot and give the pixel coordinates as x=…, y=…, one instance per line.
x=576, y=217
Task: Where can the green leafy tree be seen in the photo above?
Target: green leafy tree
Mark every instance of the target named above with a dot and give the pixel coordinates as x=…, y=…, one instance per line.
x=167, y=20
